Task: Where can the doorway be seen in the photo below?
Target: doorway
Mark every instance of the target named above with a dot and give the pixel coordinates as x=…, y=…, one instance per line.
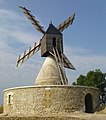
x=54, y=42
x=88, y=103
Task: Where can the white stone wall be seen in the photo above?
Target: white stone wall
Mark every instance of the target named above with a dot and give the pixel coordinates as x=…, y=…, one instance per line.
x=43, y=100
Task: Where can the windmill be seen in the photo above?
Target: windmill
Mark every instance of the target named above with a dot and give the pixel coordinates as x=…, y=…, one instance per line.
x=50, y=44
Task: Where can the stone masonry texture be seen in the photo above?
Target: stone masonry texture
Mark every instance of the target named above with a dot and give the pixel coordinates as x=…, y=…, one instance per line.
x=41, y=118
x=45, y=100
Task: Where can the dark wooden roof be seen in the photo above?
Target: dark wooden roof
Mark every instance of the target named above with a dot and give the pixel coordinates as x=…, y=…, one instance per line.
x=53, y=30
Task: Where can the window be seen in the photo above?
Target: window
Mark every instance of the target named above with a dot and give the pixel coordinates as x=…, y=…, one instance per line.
x=9, y=99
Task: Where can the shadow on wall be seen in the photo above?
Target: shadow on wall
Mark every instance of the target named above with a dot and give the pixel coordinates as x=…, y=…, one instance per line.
x=1, y=109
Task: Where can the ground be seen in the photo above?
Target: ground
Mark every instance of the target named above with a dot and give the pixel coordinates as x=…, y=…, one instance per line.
x=73, y=116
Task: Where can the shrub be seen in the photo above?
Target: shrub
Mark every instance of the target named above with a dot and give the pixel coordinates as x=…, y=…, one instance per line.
x=1, y=109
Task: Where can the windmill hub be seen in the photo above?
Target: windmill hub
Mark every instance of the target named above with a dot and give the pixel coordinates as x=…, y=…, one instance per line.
x=49, y=73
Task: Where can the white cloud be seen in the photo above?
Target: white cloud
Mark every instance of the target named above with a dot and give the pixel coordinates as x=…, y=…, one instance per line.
x=10, y=30
x=4, y=14
x=84, y=60
x=2, y=45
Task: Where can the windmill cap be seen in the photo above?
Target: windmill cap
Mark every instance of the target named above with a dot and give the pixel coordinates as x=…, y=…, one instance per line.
x=53, y=30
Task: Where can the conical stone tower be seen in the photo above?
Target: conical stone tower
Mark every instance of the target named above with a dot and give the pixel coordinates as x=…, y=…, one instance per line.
x=49, y=73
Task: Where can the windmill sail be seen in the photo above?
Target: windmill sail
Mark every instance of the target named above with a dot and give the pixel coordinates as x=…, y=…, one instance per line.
x=67, y=63
x=50, y=43
x=66, y=23
x=32, y=19
x=27, y=54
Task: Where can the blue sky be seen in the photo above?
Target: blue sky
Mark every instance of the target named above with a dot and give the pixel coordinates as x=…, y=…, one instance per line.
x=84, y=41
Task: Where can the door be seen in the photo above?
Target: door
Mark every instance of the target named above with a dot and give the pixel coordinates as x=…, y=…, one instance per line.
x=88, y=103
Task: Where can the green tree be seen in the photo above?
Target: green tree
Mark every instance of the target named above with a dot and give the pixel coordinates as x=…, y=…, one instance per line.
x=93, y=78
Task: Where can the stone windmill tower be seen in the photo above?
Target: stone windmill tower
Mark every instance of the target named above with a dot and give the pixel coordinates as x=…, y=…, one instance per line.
x=51, y=45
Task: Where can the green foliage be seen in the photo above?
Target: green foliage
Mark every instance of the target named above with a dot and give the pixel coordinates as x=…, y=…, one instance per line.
x=93, y=78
